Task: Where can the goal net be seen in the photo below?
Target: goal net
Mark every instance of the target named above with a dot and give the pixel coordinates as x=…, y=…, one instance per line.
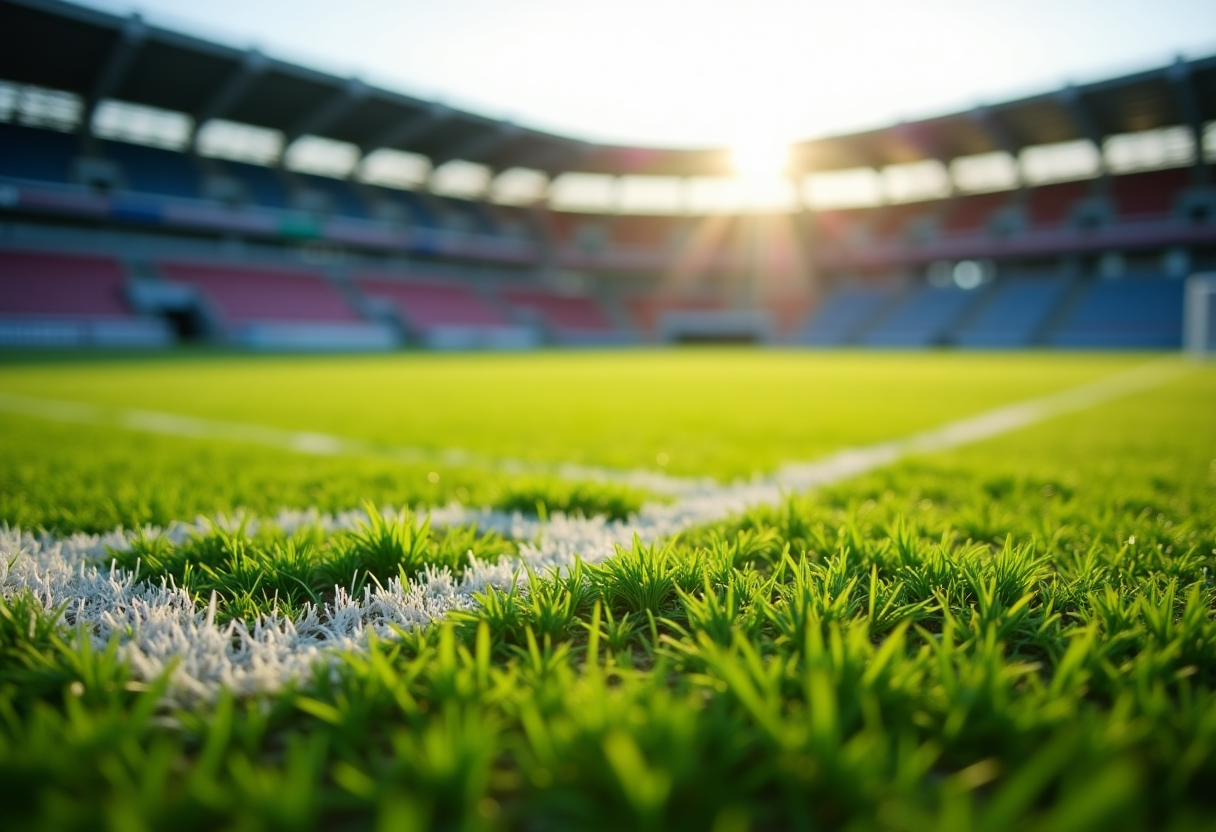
x=1199, y=321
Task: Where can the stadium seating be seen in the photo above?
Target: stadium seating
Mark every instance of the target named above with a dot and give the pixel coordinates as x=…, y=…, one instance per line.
x=444, y=315
x=69, y=300
x=154, y=171
x=1150, y=194
x=264, y=186
x=474, y=216
x=420, y=212
x=242, y=293
x=923, y=318
x=36, y=283
x=972, y=214
x=1050, y=205
x=643, y=232
x=895, y=221
x=841, y=226
x=839, y=318
x=570, y=318
x=28, y=153
x=266, y=308
x=1132, y=313
x=341, y=195
x=1013, y=314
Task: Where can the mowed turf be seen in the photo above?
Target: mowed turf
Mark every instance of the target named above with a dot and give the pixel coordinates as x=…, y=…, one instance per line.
x=1014, y=635
x=721, y=413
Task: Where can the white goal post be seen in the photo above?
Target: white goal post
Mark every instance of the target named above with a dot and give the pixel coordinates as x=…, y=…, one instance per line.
x=1199, y=315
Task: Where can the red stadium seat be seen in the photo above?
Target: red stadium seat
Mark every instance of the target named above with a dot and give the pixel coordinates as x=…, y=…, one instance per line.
x=1149, y=194
x=1049, y=205
x=242, y=293
x=428, y=304
x=971, y=214
x=61, y=285
x=562, y=313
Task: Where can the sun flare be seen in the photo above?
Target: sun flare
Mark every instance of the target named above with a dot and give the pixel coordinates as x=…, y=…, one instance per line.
x=759, y=160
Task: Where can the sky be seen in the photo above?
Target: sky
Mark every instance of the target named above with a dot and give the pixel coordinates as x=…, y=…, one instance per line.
x=695, y=73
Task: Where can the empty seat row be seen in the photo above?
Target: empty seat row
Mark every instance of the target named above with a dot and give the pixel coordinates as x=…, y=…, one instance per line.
x=1015, y=312
x=49, y=285
x=1141, y=313
x=49, y=156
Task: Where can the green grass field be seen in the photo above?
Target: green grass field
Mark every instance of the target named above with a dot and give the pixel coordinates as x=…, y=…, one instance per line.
x=1017, y=633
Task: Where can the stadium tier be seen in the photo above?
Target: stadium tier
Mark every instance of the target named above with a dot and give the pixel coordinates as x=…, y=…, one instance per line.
x=445, y=314
x=1015, y=314
x=571, y=319
x=51, y=299
x=840, y=275
x=278, y=309
x=925, y=318
x=1138, y=313
x=844, y=315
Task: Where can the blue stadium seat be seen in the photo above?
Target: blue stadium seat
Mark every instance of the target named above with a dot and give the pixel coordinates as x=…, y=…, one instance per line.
x=1013, y=314
x=840, y=317
x=1132, y=313
x=29, y=153
x=479, y=221
x=342, y=195
x=419, y=212
x=922, y=319
x=153, y=170
x=264, y=185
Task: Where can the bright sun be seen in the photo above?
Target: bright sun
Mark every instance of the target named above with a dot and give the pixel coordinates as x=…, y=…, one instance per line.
x=760, y=160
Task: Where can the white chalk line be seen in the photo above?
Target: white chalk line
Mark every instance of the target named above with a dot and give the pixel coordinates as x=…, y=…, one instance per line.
x=324, y=444
x=160, y=624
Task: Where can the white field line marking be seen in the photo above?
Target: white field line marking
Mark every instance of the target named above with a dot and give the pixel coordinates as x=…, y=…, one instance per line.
x=324, y=444
x=160, y=624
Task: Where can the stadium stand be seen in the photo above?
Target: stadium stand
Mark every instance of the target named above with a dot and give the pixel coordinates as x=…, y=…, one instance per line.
x=278, y=308
x=263, y=186
x=31, y=153
x=49, y=299
x=1014, y=314
x=152, y=170
x=40, y=283
x=416, y=207
x=339, y=195
x=468, y=216
x=972, y=214
x=842, y=227
x=737, y=268
x=844, y=314
x=444, y=315
x=1131, y=313
x=897, y=221
x=1050, y=205
x=922, y=319
x=1149, y=194
x=571, y=319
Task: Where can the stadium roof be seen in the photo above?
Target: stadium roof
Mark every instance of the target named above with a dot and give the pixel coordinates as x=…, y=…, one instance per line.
x=102, y=56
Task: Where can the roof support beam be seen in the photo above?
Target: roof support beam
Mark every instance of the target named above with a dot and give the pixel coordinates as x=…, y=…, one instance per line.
x=117, y=65
x=1179, y=77
x=1001, y=138
x=328, y=112
x=232, y=90
x=478, y=145
x=1074, y=104
x=409, y=130
x=917, y=138
x=555, y=158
